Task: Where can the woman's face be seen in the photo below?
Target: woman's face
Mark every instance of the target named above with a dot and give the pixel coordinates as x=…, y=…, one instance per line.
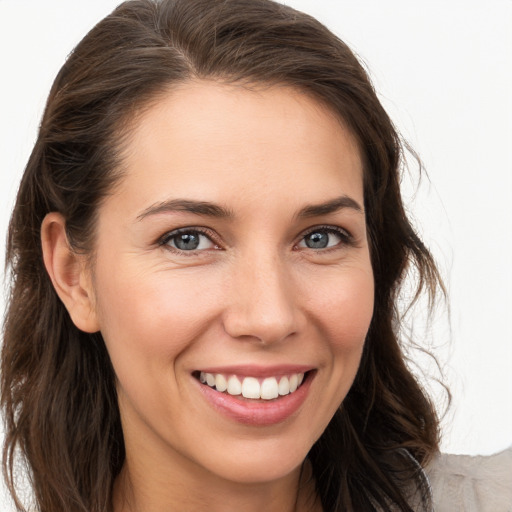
x=234, y=250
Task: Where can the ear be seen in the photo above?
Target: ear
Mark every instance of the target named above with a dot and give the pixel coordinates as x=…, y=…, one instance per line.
x=69, y=273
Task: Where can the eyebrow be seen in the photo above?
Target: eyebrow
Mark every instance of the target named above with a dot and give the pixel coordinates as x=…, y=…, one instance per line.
x=214, y=210
x=186, y=205
x=332, y=206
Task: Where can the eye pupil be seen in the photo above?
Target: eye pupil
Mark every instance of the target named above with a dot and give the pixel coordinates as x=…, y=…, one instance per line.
x=187, y=241
x=317, y=240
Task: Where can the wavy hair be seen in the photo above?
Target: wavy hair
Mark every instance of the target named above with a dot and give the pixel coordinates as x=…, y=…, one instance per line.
x=58, y=386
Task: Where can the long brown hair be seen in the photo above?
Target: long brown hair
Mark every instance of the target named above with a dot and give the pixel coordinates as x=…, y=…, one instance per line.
x=58, y=386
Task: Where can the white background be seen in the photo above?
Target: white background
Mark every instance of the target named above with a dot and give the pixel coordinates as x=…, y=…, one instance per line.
x=443, y=70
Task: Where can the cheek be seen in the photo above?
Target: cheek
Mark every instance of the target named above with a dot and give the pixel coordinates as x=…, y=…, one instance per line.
x=345, y=308
x=150, y=319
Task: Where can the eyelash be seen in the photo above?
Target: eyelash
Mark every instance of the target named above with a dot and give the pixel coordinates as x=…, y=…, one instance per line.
x=164, y=240
x=345, y=237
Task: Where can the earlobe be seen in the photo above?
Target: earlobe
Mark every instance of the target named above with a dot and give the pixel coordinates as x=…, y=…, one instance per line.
x=69, y=273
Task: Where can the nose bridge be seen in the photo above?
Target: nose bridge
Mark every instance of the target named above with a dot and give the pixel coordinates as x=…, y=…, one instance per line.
x=263, y=301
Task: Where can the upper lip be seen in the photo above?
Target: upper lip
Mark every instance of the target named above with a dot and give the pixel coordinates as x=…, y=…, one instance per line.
x=257, y=370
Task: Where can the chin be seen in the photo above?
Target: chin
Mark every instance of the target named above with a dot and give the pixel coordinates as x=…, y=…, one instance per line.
x=261, y=470
x=260, y=461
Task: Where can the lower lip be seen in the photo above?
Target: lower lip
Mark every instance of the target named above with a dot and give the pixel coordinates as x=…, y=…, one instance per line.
x=257, y=413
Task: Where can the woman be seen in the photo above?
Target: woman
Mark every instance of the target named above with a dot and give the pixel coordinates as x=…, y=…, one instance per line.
x=206, y=253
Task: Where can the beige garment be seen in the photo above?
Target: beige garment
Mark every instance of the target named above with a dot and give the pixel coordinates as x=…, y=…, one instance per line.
x=461, y=483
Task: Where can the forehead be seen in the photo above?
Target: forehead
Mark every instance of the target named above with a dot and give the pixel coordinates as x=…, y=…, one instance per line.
x=205, y=138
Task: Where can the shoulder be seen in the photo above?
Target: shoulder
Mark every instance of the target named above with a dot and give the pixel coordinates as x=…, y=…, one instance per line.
x=472, y=484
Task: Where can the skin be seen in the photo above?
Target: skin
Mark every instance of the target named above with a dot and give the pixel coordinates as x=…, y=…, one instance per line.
x=253, y=293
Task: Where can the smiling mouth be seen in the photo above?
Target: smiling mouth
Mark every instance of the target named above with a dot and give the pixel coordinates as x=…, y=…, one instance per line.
x=253, y=388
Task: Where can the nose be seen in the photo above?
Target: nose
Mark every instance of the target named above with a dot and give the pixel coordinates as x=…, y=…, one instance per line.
x=263, y=301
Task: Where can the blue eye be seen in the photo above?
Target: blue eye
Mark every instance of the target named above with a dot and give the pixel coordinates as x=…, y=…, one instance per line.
x=188, y=240
x=324, y=238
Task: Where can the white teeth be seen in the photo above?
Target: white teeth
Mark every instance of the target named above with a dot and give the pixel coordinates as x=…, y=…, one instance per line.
x=269, y=389
x=221, y=384
x=210, y=380
x=294, y=382
x=284, y=386
x=250, y=387
x=234, y=386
